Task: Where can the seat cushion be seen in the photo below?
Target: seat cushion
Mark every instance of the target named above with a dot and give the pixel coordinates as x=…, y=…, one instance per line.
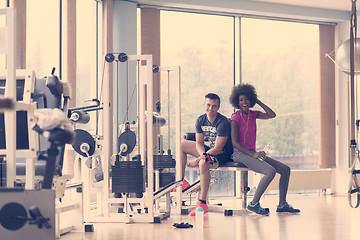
x=234, y=164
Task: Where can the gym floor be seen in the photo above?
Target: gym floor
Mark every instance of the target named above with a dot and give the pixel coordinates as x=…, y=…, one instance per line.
x=322, y=217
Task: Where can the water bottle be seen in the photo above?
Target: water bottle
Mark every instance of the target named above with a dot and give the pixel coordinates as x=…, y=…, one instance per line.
x=199, y=217
x=266, y=149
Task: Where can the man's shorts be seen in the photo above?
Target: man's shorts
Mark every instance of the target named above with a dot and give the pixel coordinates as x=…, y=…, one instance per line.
x=222, y=158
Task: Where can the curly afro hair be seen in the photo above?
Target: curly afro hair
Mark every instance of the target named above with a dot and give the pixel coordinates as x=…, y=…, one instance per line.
x=243, y=89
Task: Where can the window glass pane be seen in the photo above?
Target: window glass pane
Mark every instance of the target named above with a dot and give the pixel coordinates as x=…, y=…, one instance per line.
x=281, y=59
x=203, y=46
x=2, y=24
x=42, y=41
x=86, y=68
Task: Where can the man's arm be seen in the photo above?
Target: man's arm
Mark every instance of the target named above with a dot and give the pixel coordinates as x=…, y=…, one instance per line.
x=219, y=145
x=200, y=143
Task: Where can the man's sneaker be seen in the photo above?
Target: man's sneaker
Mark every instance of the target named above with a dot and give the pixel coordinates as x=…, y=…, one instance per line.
x=184, y=185
x=287, y=208
x=199, y=204
x=256, y=208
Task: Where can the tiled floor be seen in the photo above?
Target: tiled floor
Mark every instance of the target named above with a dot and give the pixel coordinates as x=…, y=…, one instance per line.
x=322, y=217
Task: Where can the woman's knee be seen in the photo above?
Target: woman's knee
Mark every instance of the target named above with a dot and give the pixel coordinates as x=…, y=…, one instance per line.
x=270, y=172
x=287, y=170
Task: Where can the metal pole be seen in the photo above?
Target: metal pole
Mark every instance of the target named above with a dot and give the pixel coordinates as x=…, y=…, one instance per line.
x=169, y=151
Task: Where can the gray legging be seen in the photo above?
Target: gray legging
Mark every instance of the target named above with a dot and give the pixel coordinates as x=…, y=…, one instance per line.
x=269, y=167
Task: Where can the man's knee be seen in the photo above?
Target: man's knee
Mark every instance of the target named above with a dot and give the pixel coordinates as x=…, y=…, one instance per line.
x=183, y=145
x=188, y=147
x=204, y=166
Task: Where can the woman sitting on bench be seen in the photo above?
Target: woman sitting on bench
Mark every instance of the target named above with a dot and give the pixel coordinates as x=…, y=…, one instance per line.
x=243, y=135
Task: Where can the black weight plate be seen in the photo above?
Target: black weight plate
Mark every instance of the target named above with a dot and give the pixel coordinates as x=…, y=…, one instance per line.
x=82, y=136
x=8, y=216
x=129, y=138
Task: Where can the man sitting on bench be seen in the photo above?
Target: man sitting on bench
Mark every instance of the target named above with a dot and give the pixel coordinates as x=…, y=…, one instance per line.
x=212, y=147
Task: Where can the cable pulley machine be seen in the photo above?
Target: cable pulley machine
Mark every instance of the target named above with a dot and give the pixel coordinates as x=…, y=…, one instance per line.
x=354, y=187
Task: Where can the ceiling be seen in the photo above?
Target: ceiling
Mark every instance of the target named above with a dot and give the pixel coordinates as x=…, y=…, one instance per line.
x=344, y=5
x=330, y=11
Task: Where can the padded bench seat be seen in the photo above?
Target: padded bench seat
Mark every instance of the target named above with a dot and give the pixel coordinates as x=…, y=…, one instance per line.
x=244, y=186
x=233, y=166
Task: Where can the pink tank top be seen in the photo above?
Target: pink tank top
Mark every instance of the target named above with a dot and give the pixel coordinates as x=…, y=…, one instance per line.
x=247, y=128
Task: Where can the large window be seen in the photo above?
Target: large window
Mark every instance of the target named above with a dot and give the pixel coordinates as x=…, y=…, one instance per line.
x=86, y=57
x=203, y=45
x=44, y=46
x=42, y=43
x=281, y=59
x=2, y=24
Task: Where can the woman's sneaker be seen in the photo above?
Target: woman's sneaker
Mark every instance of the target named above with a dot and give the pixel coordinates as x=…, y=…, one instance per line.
x=287, y=208
x=256, y=208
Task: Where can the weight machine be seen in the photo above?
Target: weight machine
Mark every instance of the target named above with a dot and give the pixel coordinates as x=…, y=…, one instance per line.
x=24, y=210
x=44, y=159
x=15, y=203
x=133, y=178
x=164, y=160
x=348, y=61
x=354, y=149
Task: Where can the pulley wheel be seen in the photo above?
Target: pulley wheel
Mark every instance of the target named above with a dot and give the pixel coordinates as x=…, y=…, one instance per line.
x=82, y=136
x=155, y=68
x=13, y=216
x=129, y=138
x=109, y=57
x=123, y=57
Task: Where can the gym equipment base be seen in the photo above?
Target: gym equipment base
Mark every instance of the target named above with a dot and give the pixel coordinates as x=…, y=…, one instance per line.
x=43, y=199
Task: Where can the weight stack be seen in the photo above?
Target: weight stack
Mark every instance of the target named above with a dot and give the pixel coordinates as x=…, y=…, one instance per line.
x=166, y=178
x=127, y=177
x=164, y=161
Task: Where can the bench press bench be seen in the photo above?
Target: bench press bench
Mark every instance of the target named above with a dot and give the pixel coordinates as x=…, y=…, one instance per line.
x=228, y=166
x=244, y=185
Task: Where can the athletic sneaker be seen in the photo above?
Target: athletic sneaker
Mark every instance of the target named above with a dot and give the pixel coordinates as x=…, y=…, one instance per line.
x=287, y=208
x=184, y=185
x=199, y=204
x=256, y=208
